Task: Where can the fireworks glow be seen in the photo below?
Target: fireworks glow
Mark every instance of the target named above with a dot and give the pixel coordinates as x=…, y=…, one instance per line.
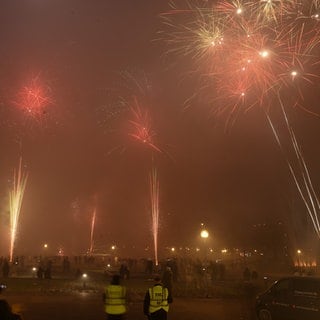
x=132, y=101
x=253, y=53
x=16, y=197
x=93, y=221
x=141, y=127
x=256, y=48
x=154, y=194
x=34, y=99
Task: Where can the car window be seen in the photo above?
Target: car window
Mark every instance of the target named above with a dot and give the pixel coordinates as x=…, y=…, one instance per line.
x=281, y=286
x=307, y=286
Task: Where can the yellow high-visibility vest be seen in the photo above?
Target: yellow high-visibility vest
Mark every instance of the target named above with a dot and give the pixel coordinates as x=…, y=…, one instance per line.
x=158, y=299
x=115, y=299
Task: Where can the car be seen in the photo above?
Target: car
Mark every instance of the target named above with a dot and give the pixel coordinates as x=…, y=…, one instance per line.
x=290, y=298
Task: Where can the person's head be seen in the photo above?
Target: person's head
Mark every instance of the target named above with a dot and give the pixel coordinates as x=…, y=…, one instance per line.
x=5, y=309
x=157, y=278
x=115, y=279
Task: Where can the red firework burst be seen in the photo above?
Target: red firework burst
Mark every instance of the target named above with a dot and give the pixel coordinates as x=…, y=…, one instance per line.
x=248, y=48
x=34, y=99
x=141, y=126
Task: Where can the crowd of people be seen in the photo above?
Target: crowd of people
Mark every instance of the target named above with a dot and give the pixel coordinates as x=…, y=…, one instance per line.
x=173, y=275
x=193, y=273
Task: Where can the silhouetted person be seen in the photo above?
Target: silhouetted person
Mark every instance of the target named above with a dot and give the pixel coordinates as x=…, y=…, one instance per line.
x=149, y=266
x=124, y=271
x=5, y=268
x=249, y=300
x=78, y=273
x=47, y=271
x=167, y=279
x=254, y=275
x=246, y=274
x=65, y=265
x=40, y=272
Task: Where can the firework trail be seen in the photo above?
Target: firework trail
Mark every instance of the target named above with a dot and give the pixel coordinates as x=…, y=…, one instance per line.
x=252, y=53
x=16, y=197
x=93, y=221
x=299, y=172
x=141, y=127
x=154, y=197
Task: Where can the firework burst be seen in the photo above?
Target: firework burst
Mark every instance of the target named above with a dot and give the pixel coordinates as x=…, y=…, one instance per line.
x=261, y=53
x=141, y=128
x=232, y=46
x=33, y=99
x=132, y=106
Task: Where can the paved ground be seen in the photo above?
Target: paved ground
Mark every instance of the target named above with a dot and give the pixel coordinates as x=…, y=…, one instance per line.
x=83, y=306
x=72, y=299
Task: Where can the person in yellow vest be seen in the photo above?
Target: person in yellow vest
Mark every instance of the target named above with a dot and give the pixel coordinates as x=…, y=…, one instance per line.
x=115, y=299
x=156, y=301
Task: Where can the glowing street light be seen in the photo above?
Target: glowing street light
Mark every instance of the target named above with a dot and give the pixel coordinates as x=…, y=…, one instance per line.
x=299, y=252
x=45, y=248
x=84, y=278
x=204, y=234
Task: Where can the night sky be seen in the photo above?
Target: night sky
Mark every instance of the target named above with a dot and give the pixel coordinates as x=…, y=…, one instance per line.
x=91, y=55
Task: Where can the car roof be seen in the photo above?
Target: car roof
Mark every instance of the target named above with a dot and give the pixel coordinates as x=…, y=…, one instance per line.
x=308, y=278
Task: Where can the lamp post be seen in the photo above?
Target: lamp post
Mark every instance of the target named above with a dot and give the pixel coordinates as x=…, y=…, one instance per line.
x=299, y=252
x=84, y=279
x=204, y=234
x=45, y=249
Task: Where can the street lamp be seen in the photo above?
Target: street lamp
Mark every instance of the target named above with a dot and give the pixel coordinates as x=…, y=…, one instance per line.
x=204, y=234
x=45, y=248
x=84, y=278
x=299, y=252
x=34, y=272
